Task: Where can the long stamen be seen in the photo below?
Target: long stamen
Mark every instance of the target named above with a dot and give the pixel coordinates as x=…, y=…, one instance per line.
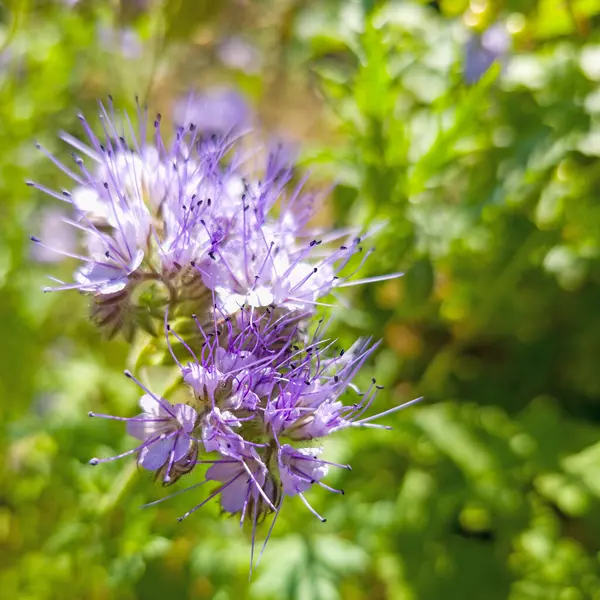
x=215, y=493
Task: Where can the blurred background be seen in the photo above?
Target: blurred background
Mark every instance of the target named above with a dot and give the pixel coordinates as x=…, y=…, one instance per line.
x=473, y=131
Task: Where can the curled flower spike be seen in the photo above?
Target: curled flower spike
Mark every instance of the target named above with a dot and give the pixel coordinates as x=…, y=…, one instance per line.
x=178, y=230
x=187, y=219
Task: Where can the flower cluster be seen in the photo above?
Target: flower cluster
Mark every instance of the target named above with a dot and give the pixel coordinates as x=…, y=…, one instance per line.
x=231, y=254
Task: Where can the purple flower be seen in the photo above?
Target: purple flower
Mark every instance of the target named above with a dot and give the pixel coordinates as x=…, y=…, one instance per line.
x=182, y=228
x=186, y=218
x=300, y=468
x=217, y=111
x=483, y=50
x=165, y=432
x=237, y=53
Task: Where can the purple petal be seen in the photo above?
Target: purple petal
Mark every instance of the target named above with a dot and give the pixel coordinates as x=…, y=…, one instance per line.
x=234, y=495
x=181, y=447
x=155, y=455
x=224, y=471
x=186, y=416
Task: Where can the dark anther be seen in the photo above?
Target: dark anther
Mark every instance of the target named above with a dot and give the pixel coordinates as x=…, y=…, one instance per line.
x=343, y=248
x=35, y=239
x=342, y=352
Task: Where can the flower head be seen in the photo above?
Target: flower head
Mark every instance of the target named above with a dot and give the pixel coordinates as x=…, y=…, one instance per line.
x=183, y=230
x=187, y=220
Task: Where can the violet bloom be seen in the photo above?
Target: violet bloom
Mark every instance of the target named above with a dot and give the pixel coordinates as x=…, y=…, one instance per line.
x=252, y=396
x=237, y=53
x=217, y=111
x=185, y=218
x=147, y=212
x=165, y=432
x=186, y=226
x=483, y=50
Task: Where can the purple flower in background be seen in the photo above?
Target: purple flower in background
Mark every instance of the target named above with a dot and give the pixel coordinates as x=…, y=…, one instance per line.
x=217, y=111
x=237, y=53
x=483, y=50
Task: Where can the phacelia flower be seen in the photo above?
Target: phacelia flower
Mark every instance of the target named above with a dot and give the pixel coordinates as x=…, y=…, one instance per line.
x=217, y=111
x=251, y=409
x=165, y=432
x=179, y=230
x=482, y=50
x=185, y=220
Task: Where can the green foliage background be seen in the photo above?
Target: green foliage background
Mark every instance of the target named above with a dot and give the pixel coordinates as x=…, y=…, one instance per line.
x=489, y=489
